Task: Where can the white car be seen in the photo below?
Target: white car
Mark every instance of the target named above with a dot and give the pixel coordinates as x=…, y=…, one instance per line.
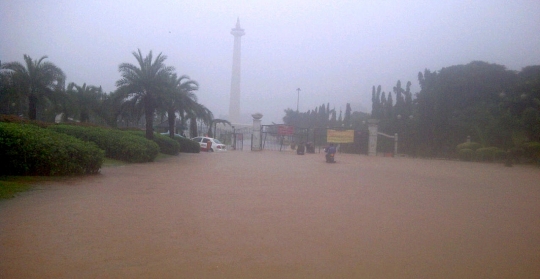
x=210, y=144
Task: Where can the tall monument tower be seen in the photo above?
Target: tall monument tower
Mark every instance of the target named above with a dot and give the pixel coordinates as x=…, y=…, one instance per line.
x=234, y=105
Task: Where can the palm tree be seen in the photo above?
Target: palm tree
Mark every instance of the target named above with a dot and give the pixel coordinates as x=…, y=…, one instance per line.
x=131, y=108
x=179, y=98
x=10, y=99
x=110, y=107
x=198, y=111
x=145, y=83
x=213, y=124
x=39, y=81
x=84, y=98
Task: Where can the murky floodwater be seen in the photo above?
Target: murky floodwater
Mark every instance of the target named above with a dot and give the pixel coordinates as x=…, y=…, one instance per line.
x=278, y=215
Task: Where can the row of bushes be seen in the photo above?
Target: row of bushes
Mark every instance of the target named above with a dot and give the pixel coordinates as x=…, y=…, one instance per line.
x=166, y=144
x=27, y=149
x=39, y=148
x=473, y=151
x=187, y=145
x=117, y=144
x=171, y=146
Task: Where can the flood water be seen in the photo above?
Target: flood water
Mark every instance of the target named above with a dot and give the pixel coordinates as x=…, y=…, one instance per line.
x=242, y=214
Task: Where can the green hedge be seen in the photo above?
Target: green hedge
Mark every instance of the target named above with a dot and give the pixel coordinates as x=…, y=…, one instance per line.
x=29, y=150
x=466, y=154
x=532, y=150
x=487, y=153
x=119, y=145
x=187, y=145
x=165, y=143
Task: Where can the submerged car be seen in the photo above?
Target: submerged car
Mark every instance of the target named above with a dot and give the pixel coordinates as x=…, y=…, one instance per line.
x=210, y=144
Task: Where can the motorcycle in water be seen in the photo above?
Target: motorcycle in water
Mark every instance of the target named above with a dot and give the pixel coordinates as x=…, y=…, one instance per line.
x=330, y=158
x=330, y=152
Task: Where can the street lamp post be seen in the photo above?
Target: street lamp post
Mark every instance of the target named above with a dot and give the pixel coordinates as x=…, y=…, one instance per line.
x=298, y=99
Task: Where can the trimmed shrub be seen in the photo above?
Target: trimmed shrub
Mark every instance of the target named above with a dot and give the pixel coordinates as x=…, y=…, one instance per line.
x=486, y=153
x=466, y=154
x=29, y=150
x=500, y=155
x=532, y=150
x=117, y=144
x=187, y=145
x=468, y=145
x=516, y=152
x=165, y=143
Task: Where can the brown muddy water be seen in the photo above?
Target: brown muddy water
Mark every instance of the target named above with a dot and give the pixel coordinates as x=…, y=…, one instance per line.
x=278, y=215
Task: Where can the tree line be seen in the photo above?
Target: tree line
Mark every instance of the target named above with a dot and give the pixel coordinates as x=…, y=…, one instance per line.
x=36, y=89
x=479, y=101
x=325, y=117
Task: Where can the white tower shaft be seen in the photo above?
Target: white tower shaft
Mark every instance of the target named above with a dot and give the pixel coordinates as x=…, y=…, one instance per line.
x=234, y=104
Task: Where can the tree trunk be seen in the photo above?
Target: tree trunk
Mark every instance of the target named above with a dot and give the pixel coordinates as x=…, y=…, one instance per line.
x=32, y=107
x=149, y=117
x=193, y=127
x=85, y=116
x=171, y=119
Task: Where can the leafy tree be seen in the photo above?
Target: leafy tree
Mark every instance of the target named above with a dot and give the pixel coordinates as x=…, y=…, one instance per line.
x=214, y=123
x=144, y=83
x=408, y=100
x=132, y=108
x=400, y=99
x=377, y=103
x=11, y=101
x=333, y=118
x=85, y=99
x=459, y=101
x=198, y=112
x=38, y=80
x=110, y=107
x=179, y=98
x=347, y=117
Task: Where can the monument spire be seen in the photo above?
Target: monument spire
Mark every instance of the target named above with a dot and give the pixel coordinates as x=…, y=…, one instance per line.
x=234, y=104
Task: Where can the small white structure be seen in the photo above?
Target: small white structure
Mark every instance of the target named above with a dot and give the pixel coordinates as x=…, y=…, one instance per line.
x=373, y=129
x=373, y=132
x=256, y=138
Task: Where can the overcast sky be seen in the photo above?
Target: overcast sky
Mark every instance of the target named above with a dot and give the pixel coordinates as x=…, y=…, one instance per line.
x=334, y=51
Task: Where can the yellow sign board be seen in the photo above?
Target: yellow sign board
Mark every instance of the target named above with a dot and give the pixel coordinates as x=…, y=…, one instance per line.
x=335, y=136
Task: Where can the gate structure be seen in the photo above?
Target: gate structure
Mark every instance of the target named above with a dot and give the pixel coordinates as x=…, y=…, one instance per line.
x=385, y=146
x=280, y=137
x=241, y=138
x=373, y=145
x=355, y=141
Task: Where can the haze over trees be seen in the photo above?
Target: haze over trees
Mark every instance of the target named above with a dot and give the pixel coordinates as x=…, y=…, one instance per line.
x=494, y=106
x=150, y=89
x=485, y=102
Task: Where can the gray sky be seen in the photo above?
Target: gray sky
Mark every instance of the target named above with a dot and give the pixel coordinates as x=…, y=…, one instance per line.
x=335, y=51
